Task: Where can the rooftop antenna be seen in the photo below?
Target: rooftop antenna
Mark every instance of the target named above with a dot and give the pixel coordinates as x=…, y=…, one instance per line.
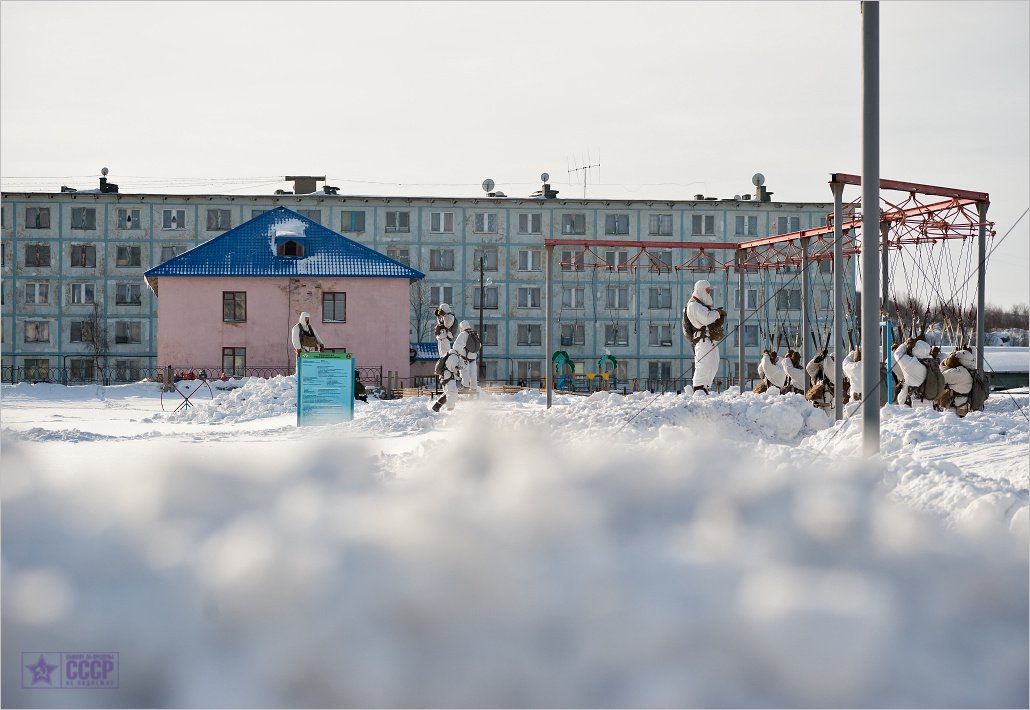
x=584, y=168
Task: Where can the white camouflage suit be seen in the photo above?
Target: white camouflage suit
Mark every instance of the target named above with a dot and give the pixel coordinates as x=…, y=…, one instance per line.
x=773, y=373
x=706, y=353
x=445, y=329
x=469, y=360
x=913, y=372
x=958, y=369
x=447, y=369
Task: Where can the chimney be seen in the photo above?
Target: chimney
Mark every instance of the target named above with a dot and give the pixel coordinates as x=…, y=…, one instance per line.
x=762, y=194
x=106, y=186
x=304, y=184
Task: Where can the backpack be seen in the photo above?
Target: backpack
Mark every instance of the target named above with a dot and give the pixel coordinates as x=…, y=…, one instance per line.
x=692, y=334
x=473, y=343
x=980, y=392
x=934, y=384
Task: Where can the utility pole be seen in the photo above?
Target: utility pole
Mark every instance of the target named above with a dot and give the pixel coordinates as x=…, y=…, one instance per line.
x=482, y=294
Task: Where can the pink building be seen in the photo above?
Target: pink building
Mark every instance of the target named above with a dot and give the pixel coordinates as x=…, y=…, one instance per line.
x=230, y=303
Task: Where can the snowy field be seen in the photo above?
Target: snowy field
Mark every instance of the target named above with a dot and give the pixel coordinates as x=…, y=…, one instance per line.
x=640, y=551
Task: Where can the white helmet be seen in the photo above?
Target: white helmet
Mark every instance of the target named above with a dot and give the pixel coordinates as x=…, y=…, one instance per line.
x=445, y=308
x=464, y=325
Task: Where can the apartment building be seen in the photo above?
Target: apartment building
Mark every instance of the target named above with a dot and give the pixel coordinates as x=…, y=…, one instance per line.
x=73, y=263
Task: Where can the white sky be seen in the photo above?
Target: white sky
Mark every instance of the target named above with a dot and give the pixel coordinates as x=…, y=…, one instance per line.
x=672, y=98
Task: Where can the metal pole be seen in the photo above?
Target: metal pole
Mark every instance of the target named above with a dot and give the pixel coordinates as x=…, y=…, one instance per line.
x=870, y=224
x=741, y=365
x=838, y=298
x=806, y=294
x=548, y=253
x=480, y=366
x=981, y=281
x=885, y=228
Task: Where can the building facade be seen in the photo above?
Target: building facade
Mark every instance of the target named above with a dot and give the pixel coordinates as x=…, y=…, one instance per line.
x=75, y=258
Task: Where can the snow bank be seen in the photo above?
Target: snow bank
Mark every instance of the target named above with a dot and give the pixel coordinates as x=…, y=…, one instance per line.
x=610, y=552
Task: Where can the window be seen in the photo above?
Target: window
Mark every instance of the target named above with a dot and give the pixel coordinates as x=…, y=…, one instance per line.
x=441, y=260
x=529, y=334
x=334, y=307
x=489, y=334
x=788, y=299
x=127, y=256
x=529, y=260
x=256, y=213
x=528, y=372
x=489, y=257
x=353, y=222
x=83, y=294
x=127, y=332
x=234, y=306
x=218, y=220
x=37, y=368
x=573, y=334
x=529, y=297
x=313, y=215
x=705, y=261
x=82, y=331
x=616, y=259
x=529, y=223
x=484, y=223
x=84, y=218
x=489, y=370
x=290, y=248
x=659, y=297
x=398, y=222
x=82, y=370
x=37, y=331
x=572, y=260
x=489, y=295
x=173, y=219
x=401, y=254
x=574, y=224
x=659, y=261
x=824, y=298
x=234, y=361
x=745, y=225
x=127, y=370
x=825, y=266
x=83, y=256
x=441, y=222
x=616, y=224
x=37, y=255
x=169, y=252
x=786, y=225
x=617, y=334
x=659, y=370
x=573, y=297
x=617, y=297
x=37, y=293
x=441, y=294
x=129, y=219
x=750, y=336
x=660, y=225
x=751, y=302
x=660, y=335
x=126, y=294
x=37, y=218
x=702, y=225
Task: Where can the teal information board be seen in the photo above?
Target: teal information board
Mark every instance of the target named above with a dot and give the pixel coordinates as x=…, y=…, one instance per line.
x=325, y=388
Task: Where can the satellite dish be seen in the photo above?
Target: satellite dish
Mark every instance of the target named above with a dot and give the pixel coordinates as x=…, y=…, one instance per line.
x=104, y=171
x=544, y=177
x=488, y=185
x=758, y=179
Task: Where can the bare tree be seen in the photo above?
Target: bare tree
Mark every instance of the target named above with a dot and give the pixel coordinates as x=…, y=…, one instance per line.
x=422, y=311
x=95, y=336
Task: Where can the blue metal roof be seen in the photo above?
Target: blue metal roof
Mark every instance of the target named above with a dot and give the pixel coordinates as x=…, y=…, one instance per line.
x=426, y=351
x=250, y=250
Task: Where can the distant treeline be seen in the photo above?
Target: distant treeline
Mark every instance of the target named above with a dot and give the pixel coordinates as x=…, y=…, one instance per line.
x=917, y=316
